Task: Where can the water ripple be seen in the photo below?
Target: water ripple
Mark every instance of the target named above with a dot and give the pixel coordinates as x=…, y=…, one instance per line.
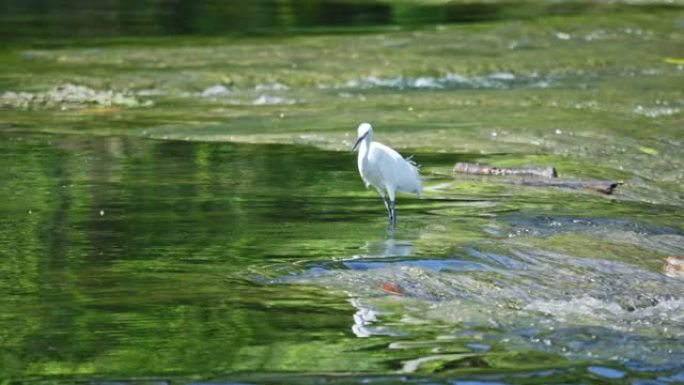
x=524, y=296
x=498, y=80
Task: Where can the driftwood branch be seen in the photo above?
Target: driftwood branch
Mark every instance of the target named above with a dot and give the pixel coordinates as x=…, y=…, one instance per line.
x=602, y=186
x=542, y=177
x=480, y=169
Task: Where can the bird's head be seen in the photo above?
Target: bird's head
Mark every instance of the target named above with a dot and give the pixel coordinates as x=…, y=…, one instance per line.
x=365, y=131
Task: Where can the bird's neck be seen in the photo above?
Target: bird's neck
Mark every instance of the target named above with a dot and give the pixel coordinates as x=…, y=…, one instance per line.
x=363, y=148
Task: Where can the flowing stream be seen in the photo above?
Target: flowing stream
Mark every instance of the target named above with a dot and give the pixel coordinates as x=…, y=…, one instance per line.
x=179, y=202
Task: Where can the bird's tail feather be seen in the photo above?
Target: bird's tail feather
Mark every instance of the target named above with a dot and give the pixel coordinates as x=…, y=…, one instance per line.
x=416, y=168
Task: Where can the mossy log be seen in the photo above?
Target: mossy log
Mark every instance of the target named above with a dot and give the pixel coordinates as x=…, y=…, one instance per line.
x=603, y=186
x=481, y=169
x=541, y=177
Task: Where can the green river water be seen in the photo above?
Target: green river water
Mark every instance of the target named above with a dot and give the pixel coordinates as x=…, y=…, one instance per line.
x=179, y=202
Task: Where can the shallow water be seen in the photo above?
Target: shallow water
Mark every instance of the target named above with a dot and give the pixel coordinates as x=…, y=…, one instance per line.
x=187, y=209
x=136, y=258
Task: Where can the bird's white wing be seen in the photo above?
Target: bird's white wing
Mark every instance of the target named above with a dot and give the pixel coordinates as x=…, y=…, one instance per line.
x=395, y=170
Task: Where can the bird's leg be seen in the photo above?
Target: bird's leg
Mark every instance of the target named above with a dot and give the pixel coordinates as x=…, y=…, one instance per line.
x=388, y=207
x=384, y=200
x=393, y=214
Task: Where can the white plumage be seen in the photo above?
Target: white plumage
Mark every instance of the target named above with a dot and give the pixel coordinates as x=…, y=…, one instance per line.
x=385, y=169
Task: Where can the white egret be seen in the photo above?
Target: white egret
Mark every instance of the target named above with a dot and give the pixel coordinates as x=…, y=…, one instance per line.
x=385, y=169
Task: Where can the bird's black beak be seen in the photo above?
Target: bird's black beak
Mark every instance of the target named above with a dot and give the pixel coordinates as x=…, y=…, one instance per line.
x=359, y=141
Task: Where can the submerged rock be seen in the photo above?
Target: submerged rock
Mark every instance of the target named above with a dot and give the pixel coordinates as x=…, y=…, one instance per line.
x=673, y=266
x=69, y=95
x=215, y=91
x=265, y=100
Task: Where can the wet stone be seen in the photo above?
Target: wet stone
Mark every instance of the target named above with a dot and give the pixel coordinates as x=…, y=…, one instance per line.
x=69, y=95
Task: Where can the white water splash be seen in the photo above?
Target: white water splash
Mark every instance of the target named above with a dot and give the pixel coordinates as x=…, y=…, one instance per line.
x=497, y=80
x=264, y=100
x=656, y=112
